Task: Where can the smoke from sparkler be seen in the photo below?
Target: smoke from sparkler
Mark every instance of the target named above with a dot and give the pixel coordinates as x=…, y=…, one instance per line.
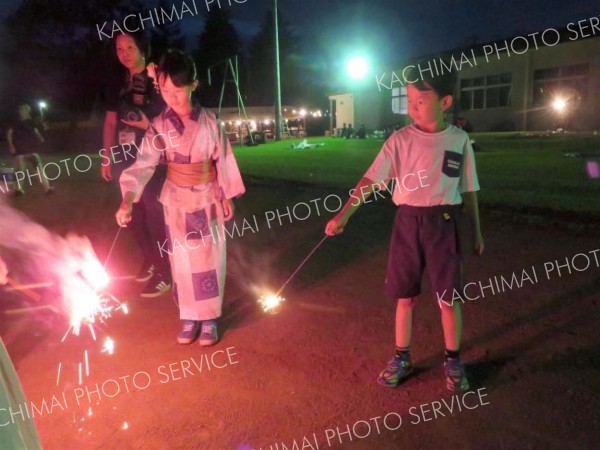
x=69, y=264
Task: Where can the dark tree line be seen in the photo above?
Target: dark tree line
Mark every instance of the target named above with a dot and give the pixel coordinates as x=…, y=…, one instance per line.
x=52, y=50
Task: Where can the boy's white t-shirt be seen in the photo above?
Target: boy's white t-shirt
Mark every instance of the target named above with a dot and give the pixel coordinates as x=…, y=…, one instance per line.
x=427, y=169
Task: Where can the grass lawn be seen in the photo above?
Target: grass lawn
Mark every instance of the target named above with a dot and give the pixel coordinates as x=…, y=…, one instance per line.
x=515, y=171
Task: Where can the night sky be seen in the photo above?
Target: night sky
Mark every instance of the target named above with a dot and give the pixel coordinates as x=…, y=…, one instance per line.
x=395, y=29
x=388, y=31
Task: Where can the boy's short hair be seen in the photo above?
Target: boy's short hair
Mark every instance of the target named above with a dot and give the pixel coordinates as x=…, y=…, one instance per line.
x=441, y=83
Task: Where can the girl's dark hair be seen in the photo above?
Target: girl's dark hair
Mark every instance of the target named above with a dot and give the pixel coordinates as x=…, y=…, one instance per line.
x=179, y=66
x=141, y=39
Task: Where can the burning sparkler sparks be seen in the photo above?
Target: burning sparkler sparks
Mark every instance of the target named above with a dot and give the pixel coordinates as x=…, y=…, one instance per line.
x=271, y=302
x=82, y=281
x=109, y=346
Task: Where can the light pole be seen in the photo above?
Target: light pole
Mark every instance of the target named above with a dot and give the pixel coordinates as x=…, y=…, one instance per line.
x=277, y=74
x=42, y=105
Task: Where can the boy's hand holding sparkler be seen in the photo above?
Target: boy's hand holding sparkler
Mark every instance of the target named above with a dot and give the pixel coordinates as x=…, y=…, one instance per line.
x=336, y=225
x=123, y=215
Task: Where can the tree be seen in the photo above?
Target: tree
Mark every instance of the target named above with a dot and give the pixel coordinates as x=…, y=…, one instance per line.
x=261, y=63
x=166, y=35
x=218, y=41
x=54, y=51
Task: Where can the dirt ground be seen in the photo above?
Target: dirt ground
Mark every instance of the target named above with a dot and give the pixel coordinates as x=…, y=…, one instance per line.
x=306, y=376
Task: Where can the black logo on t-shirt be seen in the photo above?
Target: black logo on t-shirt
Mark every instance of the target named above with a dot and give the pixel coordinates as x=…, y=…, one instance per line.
x=452, y=162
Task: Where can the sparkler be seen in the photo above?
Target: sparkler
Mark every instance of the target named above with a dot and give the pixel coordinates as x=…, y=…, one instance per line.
x=270, y=302
x=58, y=374
x=112, y=247
x=16, y=286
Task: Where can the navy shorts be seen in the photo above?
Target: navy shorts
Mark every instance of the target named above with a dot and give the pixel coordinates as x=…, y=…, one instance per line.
x=425, y=237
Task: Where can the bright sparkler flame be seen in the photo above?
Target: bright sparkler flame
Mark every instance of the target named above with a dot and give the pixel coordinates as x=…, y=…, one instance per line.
x=109, y=346
x=82, y=281
x=270, y=302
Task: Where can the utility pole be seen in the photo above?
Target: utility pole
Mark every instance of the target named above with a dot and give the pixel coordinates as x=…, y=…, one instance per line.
x=278, y=118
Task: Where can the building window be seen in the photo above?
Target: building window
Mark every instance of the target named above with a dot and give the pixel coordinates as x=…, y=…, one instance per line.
x=570, y=82
x=399, y=100
x=493, y=91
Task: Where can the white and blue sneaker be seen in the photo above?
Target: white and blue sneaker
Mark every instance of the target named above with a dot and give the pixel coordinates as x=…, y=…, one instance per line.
x=189, y=331
x=209, y=335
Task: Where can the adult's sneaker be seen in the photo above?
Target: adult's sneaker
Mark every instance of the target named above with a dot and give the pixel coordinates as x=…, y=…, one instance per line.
x=146, y=273
x=157, y=286
x=209, y=335
x=456, y=378
x=397, y=370
x=189, y=331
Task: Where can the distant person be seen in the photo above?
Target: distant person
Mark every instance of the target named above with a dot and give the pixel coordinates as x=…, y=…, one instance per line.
x=131, y=105
x=202, y=180
x=426, y=227
x=24, y=140
x=349, y=132
x=362, y=132
x=344, y=131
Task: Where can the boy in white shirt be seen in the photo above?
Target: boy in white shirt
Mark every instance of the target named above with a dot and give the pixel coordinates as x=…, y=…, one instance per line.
x=425, y=232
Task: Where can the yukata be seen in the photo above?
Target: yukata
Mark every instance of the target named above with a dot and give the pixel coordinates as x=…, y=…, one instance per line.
x=193, y=213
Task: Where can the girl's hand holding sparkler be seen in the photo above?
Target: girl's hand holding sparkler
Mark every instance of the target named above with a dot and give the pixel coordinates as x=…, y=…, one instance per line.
x=123, y=215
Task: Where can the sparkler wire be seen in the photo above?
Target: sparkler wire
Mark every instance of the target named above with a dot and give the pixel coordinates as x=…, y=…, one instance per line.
x=112, y=247
x=301, y=264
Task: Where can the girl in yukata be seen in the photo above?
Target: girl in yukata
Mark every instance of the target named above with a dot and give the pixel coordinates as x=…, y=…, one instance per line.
x=202, y=179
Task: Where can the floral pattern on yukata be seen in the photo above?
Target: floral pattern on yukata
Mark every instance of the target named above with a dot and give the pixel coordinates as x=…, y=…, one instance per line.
x=178, y=158
x=197, y=222
x=206, y=285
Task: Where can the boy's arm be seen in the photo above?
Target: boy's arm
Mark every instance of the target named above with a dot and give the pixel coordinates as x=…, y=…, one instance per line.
x=472, y=205
x=39, y=136
x=9, y=140
x=365, y=187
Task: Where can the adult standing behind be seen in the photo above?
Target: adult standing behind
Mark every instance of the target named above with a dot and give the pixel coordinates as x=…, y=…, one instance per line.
x=132, y=103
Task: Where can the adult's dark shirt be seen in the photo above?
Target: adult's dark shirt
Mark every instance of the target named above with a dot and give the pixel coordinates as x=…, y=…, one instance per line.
x=125, y=96
x=24, y=137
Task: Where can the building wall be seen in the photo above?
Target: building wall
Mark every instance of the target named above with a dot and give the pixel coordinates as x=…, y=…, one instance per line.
x=522, y=113
x=344, y=109
x=374, y=108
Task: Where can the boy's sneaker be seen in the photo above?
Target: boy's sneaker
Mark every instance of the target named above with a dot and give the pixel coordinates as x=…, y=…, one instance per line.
x=209, y=335
x=189, y=331
x=157, y=286
x=456, y=379
x=145, y=273
x=397, y=370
